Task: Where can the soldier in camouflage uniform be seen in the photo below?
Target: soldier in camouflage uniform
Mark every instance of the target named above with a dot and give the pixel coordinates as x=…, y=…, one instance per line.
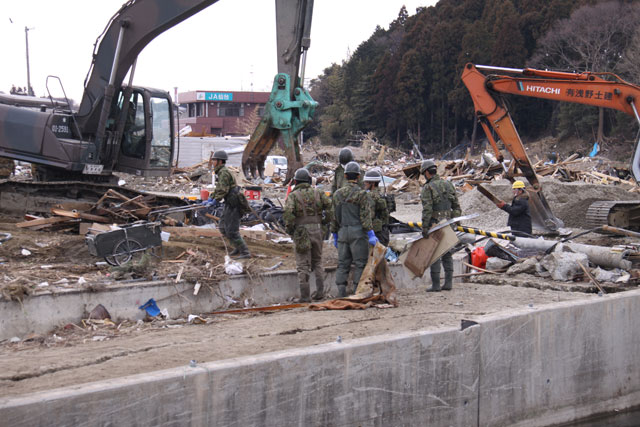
x=379, y=211
x=227, y=189
x=351, y=228
x=306, y=213
x=339, y=180
x=439, y=201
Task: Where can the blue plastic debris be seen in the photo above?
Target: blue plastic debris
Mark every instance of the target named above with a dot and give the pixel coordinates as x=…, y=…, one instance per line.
x=390, y=255
x=150, y=307
x=595, y=150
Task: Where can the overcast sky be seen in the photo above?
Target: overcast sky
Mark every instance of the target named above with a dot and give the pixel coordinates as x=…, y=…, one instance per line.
x=231, y=45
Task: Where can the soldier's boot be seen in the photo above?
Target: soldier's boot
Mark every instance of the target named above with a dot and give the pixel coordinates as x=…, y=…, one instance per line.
x=234, y=252
x=342, y=291
x=447, y=263
x=319, y=292
x=435, y=277
x=304, y=292
x=243, y=250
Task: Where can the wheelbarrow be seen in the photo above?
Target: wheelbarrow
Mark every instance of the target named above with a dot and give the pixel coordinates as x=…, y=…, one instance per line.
x=119, y=246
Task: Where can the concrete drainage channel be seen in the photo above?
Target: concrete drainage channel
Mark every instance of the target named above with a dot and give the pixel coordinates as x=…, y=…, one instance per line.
x=536, y=368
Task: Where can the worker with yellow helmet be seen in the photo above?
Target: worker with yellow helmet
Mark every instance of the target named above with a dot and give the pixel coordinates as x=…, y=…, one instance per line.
x=519, y=213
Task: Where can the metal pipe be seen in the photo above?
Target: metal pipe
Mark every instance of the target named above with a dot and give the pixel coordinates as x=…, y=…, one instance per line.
x=599, y=255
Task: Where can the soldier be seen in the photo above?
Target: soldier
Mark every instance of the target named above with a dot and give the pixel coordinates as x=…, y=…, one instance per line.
x=351, y=228
x=380, y=213
x=306, y=213
x=227, y=189
x=439, y=201
x=345, y=156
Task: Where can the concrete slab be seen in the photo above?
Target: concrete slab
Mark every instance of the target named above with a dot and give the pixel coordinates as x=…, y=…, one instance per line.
x=42, y=313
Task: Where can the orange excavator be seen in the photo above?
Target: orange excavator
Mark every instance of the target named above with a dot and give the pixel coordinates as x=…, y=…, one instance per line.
x=486, y=84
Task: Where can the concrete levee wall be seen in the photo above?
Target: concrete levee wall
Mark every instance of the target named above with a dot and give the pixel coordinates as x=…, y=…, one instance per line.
x=42, y=313
x=533, y=367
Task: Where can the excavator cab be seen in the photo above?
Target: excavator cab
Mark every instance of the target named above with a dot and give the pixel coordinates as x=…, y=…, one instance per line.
x=145, y=146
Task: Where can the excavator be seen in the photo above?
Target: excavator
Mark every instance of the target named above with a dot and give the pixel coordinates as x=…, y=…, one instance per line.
x=121, y=127
x=487, y=84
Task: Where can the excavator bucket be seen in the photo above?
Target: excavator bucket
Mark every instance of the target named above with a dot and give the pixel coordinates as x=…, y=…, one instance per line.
x=541, y=215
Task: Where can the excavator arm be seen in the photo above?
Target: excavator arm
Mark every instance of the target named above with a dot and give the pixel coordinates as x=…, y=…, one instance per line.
x=597, y=89
x=290, y=107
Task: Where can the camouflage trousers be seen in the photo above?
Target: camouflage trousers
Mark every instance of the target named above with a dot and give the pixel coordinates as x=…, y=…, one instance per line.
x=353, y=248
x=230, y=226
x=309, y=261
x=7, y=167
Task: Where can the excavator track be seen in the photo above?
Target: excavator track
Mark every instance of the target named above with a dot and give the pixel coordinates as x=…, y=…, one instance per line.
x=616, y=213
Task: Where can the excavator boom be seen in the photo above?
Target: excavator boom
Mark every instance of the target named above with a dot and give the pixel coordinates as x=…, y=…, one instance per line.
x=596, y=89
x=290, y=107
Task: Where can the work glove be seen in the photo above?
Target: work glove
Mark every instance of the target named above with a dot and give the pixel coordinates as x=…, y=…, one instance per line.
x=372, y=238
x=500, y=204
x=335, y=239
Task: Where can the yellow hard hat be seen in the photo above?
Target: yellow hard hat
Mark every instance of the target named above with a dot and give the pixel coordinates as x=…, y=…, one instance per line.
x=517, y=185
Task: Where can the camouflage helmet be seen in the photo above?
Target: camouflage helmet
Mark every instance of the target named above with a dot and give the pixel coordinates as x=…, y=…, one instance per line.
x=220, y=155
x=352, y=167
x=372, y=176
x=345, y=156
x=427, y=164
x=302, y=175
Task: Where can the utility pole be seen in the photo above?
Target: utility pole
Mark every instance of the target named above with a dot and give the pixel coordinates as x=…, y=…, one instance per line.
x=26, y=38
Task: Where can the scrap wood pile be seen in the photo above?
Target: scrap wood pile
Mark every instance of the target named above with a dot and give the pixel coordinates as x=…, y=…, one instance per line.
x=573, y=168
x=112, y=207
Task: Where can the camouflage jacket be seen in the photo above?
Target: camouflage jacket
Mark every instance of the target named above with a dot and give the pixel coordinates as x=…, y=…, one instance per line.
x=303, y=199
x=379, y=211
x=339, y=180
x=351, y=193
x=225, y=182
x=439, y=201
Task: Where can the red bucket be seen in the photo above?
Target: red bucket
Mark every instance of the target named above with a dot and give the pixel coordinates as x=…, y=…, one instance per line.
x=204, y=194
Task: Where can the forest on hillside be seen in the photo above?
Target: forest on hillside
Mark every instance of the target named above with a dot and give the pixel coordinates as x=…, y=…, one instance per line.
x=404, y=81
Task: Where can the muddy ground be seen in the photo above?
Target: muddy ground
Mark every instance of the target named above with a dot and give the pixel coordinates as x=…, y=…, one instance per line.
x=74, y=355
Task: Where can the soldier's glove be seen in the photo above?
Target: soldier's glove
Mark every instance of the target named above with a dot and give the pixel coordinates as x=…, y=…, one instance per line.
x=335, y=239
x=211, y=203
x=372, y=238
x=425, y=234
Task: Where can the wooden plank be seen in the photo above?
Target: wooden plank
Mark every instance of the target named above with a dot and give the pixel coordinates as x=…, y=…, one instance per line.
x=41, y=221
x=487, y=194
x=82, y=215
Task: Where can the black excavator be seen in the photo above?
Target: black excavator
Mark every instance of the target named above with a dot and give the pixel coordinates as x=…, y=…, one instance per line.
x=127, y=128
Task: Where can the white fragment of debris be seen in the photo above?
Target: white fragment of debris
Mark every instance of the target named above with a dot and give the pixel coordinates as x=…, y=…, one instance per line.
x=196, y=288
x=43, y=284
x=624, y=278
x=230, y=300
x=82, y=280
x=258, y=227
x=232, y=267
x=101, y=263
x=42, y=244
x=195, y=319
x=62, y=281
x=99, y=338
x=46, y=267
x=165, y=236
x=25, y=252
x=14, y=340
x=282, y=240
x=165, y=313
x=246, y=302
x=121, y=182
